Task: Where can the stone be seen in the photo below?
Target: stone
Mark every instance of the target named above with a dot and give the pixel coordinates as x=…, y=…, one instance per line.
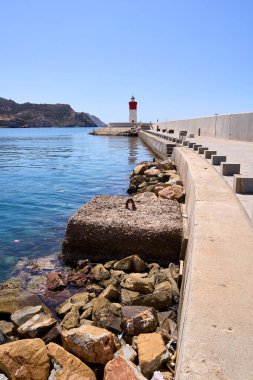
x=86, y=314
x=104, y=227
x=14, y=299
x=78, y=300
x=100, y=273
x=3, y=377
x=172, y=192
x=94, y=288
x=86, y=322
x=70, y=366
x=106, y=314
x=110, y=264
x=90, y=343
x=56, y=281
x=4, y=338
x=25, y=359
x=71, y=319
x=37, y=284
x=53, y=334
x=153, y=172
x=127, y=352
x=125, y=264
x=111, y=293
x=36, y=325
x=137, y=284
x=121, y=369
x=157, y=300
x=138, y=320
x=128, y=296
x=6, y=327
x=22, y=315
x=152, y=352
x=140, y=169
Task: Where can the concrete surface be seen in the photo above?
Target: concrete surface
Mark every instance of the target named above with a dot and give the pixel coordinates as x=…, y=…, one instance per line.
x=216, y=324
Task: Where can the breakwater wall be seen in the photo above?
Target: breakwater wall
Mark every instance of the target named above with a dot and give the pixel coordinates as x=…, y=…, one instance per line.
x=215, y=323
x=232, y=127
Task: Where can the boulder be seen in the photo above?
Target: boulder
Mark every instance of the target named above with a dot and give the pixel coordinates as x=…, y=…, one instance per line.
x=89, y=343
x=128, y=296
x=71, y=319
x=138, y=320
x=14, y=299
x=152, y=352
x=152, y=172
x=22, y=315
x=25, y=359
x=138, y=284
x=53, y=334
x=38, y=324
x=111, y=293
x=56, y=281
x=105, y=228
x=121, y=369
x=172, y=192
x=127, y=352
x=78, y=279
x=4, y=338
x=37, y=284
x=100, y=273
x=6, y=327
x=131, y=263
x=70, y=366
x=78, y=300
x=158, y=300
x=140, y=169
x=106, y=314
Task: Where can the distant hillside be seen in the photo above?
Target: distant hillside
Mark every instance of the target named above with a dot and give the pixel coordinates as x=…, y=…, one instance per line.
x=29, y=115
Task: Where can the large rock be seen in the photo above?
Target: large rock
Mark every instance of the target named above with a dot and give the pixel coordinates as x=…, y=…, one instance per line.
x=104, y=229
x=106, y=314
x=70, y=366
x=25, y=359
x=22, y=315
x=138, y=284
x=78, y=300
x=138, y=320
x=121, y=369
x=152, y=352
x=37, y=325
x=14, y=299
x=6, y=327
x=158, y=300
x=90, y=343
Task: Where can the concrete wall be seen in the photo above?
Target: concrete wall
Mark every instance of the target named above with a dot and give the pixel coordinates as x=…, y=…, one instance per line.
x=121, y=125
x=158, y=145
x=215, y=332
x=233, y=127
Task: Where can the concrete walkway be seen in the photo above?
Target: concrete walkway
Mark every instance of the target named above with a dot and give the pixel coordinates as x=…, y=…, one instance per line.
x=240, y=152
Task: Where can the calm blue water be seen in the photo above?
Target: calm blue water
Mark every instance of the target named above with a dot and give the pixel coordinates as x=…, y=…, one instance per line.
x=45, y=175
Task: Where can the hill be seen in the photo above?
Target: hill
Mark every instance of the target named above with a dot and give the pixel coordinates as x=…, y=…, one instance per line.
x=30, y=115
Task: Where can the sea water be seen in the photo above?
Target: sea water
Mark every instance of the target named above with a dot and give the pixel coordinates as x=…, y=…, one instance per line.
x=46, y=174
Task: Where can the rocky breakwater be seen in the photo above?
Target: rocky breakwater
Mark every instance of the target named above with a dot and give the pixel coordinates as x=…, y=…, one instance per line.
x=122, y=324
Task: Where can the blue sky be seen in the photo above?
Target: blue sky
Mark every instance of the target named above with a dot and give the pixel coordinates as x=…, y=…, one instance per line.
x=179, y=58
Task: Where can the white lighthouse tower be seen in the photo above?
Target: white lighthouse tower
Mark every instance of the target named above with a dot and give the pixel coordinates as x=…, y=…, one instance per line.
x=132, y=110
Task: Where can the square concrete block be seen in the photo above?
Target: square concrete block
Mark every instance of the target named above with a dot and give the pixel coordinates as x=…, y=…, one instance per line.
x=243, y=184
x=201, y=149
x=185, y=143
x=230, y=169
x=209, y=153
x=191, y=135
x=196, y=146
x=217, y=160
x=190, y=145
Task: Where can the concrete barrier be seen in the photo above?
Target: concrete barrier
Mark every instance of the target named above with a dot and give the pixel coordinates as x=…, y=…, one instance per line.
x=217, y=160
x=196, y=146
x=159, y=145
x=215, y=331
x=243, y=184
x=228, y=169
x=201, y=149
x=209, y=153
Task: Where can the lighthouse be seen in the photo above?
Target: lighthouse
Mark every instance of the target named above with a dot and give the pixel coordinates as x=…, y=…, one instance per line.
x=132, y=110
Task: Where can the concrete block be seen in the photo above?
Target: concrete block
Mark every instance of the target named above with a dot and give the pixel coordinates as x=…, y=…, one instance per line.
x=191, y=135
x=209, y=153
x=190, y=145
x=228, y=169
x=217, y=160
x=196, y=146
x=179, y=141
x=243, y=184
x=201, y=150
x=174, y=139
x=185, y=143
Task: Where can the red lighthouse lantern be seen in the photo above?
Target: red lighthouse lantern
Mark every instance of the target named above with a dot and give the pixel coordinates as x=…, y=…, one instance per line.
x=132, y=110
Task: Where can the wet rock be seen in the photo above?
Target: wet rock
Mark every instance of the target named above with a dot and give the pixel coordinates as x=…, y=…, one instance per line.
x=37, y=284
x=111, y=293
x=128, y=296
x=138, y=284
x=157, y=300
x=78, y=279
x=152, y=352
x=25, y=359
x=127, y=352
x=71, y=319
x=106, y=314
x=3, y=338
x=89, y=343
x=70, y=366
x=14, y=299
x=121, y=369
x=43, y=264
x=77, y=300
x=104, y=227
x=13, y=283
x=6, y=327
x=56, y=281
x=38, y=324
x=132, y=189
x=100, y=273
x=138, y=320
x=22, y=315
